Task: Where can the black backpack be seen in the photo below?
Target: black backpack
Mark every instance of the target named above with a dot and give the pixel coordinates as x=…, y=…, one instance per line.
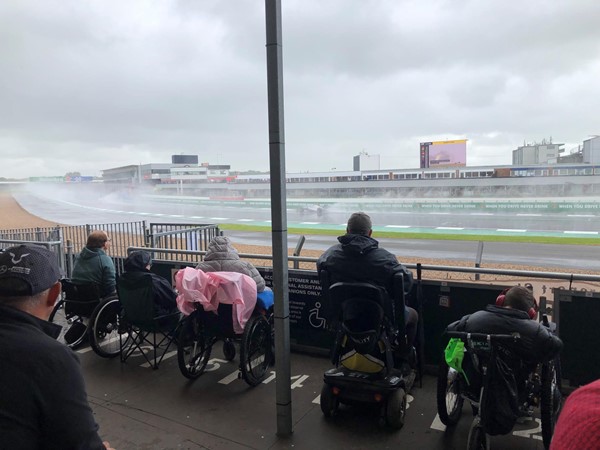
x=501, y=400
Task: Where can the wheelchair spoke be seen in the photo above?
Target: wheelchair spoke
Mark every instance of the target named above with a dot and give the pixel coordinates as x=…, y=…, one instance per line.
x=193, y=348
x=254, y=350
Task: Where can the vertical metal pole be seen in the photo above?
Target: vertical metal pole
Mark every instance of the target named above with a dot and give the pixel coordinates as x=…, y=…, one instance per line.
x=283, y=394
x=478, y=258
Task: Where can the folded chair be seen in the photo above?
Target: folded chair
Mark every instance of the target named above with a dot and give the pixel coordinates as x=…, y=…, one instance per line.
x=142, y=326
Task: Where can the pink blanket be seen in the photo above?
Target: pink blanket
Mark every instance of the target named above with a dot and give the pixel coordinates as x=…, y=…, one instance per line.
x=211, y=288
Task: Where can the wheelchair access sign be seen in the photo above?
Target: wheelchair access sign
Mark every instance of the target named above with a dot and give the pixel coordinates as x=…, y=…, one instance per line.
x=308, y=325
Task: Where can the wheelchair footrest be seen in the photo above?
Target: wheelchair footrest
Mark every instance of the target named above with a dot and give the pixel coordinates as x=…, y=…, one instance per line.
x=346, y=379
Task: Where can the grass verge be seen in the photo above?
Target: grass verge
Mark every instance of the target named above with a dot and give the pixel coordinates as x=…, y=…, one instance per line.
x=560, y=240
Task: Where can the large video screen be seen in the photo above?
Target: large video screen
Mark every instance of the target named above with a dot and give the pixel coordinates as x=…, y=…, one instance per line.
x=443, y=153
x=184, y=159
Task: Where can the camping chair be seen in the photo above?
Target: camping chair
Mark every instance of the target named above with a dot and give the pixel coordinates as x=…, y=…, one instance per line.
x=142, y=325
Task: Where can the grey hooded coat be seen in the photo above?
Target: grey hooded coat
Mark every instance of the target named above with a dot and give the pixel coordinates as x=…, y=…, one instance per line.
x=223, y=257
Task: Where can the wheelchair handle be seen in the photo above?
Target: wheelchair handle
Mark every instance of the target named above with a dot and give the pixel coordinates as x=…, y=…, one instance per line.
x=485, y=337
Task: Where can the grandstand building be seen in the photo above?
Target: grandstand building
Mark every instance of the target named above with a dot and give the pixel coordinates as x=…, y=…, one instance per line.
x=518, y=180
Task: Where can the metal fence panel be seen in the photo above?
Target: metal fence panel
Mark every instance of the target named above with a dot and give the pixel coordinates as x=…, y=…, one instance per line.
x=72, y=238
x=186, y=237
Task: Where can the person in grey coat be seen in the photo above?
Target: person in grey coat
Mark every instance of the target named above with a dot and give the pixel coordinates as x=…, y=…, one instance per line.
x=223, y=257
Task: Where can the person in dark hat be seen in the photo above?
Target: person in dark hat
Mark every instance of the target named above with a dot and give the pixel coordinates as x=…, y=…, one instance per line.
x=43, y=401
x=139, y=262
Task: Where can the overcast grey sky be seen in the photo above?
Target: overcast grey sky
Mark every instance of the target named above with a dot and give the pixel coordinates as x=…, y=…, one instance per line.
x=90, y=85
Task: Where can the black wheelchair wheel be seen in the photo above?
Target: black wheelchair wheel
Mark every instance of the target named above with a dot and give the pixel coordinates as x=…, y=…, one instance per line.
x=329, y=402
x=551, y=400
x=60, y=305
x=255, y=350
x=449, y=397
x=478, y=439
x=228, y=349
x=193, y=347
x=73, y=330
x=58, y=317
x=395, y=409
x=104, y=332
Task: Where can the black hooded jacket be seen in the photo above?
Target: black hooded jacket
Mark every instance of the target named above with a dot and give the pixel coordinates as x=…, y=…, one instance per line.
x=358, y=258
x=43, y=401
x=537, y=344
x=164, y=295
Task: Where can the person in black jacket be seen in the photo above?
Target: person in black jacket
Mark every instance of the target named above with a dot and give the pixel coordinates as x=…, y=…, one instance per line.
x=516, y=314
x=139, y=262
x=536, y=345
x=358, y=258
x=43, y=401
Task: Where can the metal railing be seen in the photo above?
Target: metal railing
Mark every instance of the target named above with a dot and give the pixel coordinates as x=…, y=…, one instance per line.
x=68, y=240
x=54, y=246
x=195, y=237
x=570, y=277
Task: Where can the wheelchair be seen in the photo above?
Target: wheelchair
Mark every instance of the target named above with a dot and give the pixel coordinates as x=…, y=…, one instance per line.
x=74, y=310
x=105, y=329
x=373, y=363
x=540, y=389
x=202, y=329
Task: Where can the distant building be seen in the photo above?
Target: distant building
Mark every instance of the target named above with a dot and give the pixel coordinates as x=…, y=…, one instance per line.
x=364, y=161
x=591, y=150
x=542, y=153
x=143, y=173
x=183, y=169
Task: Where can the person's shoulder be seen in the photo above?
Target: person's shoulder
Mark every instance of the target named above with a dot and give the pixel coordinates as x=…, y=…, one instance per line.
x=327, y=253
x=383, y=254
x=105, y=257
x=42, y=347
x=248, y=265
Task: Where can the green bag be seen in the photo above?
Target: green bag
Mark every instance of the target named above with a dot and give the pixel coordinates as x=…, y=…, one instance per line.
x=454, y=354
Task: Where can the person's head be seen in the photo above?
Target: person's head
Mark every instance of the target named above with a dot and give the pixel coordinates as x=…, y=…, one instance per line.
x=519, y=297
x=29, y=279
x=359, y=223
x=221, y=244
x=97, y=239
x=138, y=260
